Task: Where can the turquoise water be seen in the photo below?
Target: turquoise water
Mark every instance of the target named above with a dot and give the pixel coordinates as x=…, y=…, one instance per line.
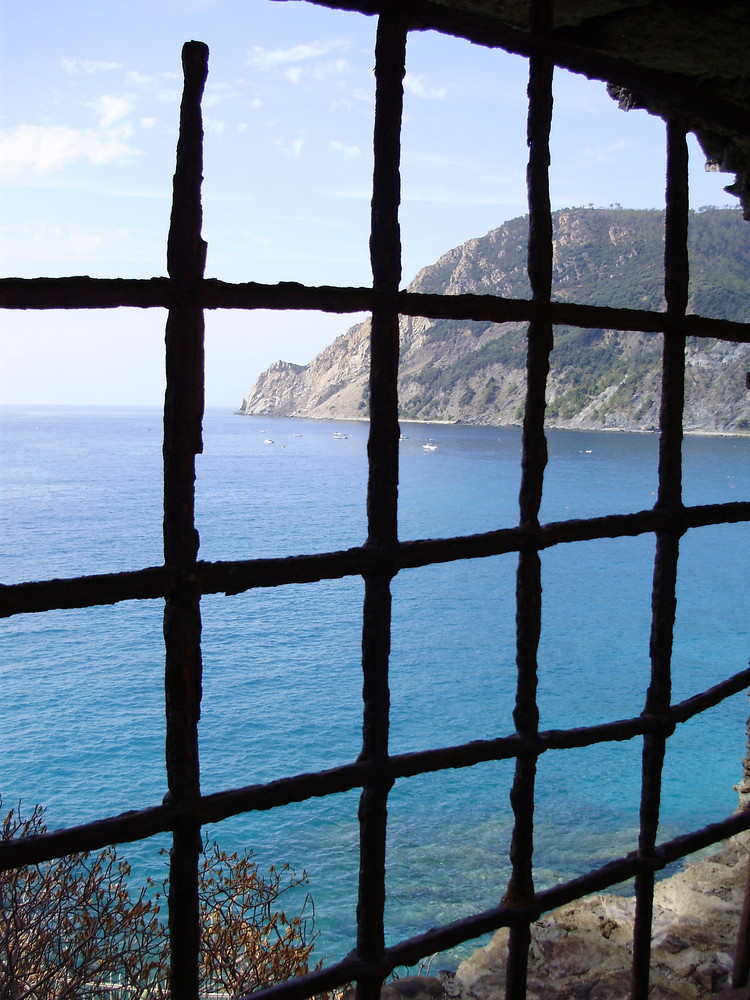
x=81, y=717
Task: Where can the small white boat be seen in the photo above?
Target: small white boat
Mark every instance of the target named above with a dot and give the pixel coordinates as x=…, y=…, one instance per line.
x=340, y=436
x=430, y=446
x=268, y=441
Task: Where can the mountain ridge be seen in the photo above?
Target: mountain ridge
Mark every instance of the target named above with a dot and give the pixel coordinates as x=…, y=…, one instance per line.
x=473, y=372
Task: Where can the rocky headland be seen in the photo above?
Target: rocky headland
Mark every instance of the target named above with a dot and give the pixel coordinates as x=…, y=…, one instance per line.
x=473, y=372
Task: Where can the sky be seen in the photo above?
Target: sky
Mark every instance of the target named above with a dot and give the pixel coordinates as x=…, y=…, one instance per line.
x=88, y=126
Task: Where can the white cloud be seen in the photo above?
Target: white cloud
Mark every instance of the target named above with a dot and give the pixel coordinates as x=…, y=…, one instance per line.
x=294, y=147
x=267, y=59
x=135, y=77
x=87, y=66
x=42, y=149
x=293, y=74
x=217, y=92
x=111, y=109
x=415, y=85
x=82, y=242
x=214, y=125
x=123, y=132
x=348, y=152
x=331, y=68
x=147, y=122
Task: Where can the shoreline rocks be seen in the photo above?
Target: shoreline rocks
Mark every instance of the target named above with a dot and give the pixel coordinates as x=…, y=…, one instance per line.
x=583, y=951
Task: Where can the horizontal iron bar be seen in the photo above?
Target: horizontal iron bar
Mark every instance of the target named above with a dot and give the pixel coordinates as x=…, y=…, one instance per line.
x=125, y=828
x=412, y=950
x=85, y=591
x=112, y=293
x=218, y=806
x=235, y=577
x=621, y=870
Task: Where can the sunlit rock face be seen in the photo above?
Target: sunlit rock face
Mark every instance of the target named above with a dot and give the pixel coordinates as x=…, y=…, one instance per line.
x=455, y=370
x=584, y=950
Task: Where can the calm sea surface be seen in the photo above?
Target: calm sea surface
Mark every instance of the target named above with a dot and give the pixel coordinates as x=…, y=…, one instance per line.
x=81, y=713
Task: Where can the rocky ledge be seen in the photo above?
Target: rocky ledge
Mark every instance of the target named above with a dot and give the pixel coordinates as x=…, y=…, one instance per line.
x=584, y=950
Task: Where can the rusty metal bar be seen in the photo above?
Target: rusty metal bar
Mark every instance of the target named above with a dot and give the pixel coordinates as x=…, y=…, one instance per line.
x=237, y=577
x=246, y=574
x=664, y=600
x=382, y=494
x=183, y=415
x=183, y=579
x=412, y=950
x=114, y=293
x=520, y=890
x=138, y=824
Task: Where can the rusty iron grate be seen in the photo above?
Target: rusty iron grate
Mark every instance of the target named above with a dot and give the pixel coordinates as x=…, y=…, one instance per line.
x=184, y=579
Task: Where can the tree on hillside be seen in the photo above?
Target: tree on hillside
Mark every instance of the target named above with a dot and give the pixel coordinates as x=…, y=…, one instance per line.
x=70, y=926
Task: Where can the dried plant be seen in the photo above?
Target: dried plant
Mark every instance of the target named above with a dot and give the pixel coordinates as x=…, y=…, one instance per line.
x=75, y=926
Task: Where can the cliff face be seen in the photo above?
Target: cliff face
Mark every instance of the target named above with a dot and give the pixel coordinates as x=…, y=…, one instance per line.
x=599, y=379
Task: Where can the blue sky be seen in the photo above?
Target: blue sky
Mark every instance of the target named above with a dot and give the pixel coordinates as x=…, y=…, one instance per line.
x=88, y=126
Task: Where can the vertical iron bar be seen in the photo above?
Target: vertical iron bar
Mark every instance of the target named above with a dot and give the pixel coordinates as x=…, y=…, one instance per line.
x=382, y=490
x=183, y=414
x=663, y=600
x=534, y=459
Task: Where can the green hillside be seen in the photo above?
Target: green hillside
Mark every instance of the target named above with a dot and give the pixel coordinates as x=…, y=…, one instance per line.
x=474, y=372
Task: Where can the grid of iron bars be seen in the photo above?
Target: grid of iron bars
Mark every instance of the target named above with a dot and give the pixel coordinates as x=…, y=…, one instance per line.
x=183, y=579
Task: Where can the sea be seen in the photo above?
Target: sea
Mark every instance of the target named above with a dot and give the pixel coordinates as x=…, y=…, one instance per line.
x=81, y=712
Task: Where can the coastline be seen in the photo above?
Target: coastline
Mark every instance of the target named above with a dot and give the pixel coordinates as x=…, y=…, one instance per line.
x=503, y=426
x=584, y=949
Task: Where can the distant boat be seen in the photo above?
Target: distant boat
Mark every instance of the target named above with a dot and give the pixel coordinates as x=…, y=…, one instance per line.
x=430, y=446
x=340, y=436
x=268, y=441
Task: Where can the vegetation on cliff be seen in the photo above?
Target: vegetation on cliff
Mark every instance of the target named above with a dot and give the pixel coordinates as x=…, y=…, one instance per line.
x=78, y=927
x=474, y=372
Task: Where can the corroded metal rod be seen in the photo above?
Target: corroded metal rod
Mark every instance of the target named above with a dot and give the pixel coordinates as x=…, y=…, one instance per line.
x=183, y=416
x=669, y=500
x=382, y=494
x=534, y=460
